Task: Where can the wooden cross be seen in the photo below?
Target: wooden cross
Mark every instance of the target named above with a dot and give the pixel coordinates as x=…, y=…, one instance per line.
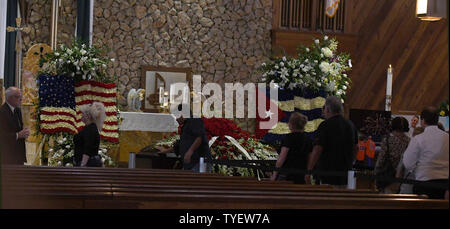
x=19, y=31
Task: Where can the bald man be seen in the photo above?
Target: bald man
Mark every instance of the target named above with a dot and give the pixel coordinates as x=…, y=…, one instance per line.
x=12, y=131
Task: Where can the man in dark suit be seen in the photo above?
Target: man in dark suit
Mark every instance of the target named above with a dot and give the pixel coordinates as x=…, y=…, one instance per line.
x=12, y=131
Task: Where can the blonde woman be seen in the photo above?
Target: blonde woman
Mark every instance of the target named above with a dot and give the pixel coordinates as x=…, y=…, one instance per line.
x=87, y=141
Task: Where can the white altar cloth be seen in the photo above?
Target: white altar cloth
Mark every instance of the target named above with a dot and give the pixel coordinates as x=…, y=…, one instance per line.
x=154, y=122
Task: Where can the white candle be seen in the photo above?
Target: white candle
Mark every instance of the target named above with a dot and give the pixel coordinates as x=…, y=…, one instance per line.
x=166, y=99
x=389, y=81
x=161, y=94
x=172, y=93
x=186, y=94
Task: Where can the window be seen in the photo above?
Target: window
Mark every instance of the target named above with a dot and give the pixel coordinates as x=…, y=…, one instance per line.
x=308, y=15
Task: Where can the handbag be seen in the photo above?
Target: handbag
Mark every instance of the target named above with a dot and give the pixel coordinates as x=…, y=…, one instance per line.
x=387, y=170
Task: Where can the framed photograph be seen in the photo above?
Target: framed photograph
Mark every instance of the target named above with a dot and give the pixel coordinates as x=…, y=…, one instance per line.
x=152, y=78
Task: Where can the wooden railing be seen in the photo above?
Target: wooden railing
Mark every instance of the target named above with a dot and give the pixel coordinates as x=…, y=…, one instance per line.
x=308, y=15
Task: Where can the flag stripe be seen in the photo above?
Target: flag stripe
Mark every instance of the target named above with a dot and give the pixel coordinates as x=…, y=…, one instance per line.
x=62, y=113
x=94, y=98
x=90, y=101
x=87, y=92
x=96, y=84
x=93, y=93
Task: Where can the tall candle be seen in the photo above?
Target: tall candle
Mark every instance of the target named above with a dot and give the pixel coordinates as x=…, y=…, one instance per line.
x=186, y=93
x=389, y=81
x=161, y=93
x=166, y=99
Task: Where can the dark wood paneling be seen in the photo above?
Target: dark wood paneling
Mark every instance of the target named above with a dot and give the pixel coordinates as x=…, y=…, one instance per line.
x=387, y=32
x=288, y=41
x=418, y=51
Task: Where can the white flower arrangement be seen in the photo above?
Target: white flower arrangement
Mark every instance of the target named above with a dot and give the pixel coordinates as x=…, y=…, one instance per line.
x=79, y=61
x=318, y=67
x=107, y=161
x=61, y=152
x=227, y=151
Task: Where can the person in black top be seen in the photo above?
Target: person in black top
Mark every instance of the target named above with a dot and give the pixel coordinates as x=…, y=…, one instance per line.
x=335, y=145
x=193, y=142
x=87, y=141
x=295, y=149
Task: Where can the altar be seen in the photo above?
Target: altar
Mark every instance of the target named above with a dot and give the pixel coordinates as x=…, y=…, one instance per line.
x=138, y=130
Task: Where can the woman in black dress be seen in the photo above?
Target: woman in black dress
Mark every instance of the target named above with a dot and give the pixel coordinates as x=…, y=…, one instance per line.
x=295, y=149
x=87, y=141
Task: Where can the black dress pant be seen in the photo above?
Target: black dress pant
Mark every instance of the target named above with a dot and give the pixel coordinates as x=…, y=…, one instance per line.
x=432, y=192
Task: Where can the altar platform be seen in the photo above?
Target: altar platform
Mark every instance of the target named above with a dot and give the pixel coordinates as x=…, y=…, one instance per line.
x=138, y=130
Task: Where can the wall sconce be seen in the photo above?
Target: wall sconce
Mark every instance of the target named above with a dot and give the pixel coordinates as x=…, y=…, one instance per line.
x=431, y=10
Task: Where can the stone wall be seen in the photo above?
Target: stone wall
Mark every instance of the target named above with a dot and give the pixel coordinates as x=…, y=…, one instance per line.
x=223, y=40
x=40, y=19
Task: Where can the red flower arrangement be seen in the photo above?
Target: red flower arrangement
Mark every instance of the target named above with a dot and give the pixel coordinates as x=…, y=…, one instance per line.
x=223, y=149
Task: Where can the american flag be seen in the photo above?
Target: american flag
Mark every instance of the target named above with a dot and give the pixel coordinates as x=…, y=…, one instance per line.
x=60, y=100
x=57, y=104
x=87, y=92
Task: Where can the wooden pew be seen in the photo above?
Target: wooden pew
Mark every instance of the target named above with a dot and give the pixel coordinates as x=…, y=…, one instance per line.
x=130, y=199
x=157, y=179
x=86, y=192
x=120, y=196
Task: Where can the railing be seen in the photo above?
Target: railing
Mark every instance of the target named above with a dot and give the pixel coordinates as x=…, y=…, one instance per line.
x=308, y=15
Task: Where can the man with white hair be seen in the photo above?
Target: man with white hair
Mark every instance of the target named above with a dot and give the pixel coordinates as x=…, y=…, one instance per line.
x=335, y=145
x=12, y=131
